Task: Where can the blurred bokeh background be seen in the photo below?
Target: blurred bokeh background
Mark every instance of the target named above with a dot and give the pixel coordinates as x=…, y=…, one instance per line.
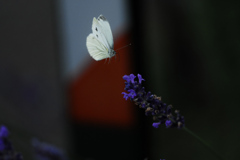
x=51, y=89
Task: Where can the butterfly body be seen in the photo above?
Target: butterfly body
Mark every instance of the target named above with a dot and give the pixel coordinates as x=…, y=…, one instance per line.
x=100, y=41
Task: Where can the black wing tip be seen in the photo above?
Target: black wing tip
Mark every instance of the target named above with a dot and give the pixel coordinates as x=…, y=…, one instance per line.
x=102, y=17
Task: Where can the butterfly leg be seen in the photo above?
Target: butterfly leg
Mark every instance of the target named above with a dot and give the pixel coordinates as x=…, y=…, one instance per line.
x=109, y=60
x=105, y=61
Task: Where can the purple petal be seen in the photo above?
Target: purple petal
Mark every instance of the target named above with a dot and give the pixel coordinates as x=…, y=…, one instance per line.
x=132, y=93
x=127, y=78
x=125, y=95
x=156, y=124
x=132, y=77
x=140, y=78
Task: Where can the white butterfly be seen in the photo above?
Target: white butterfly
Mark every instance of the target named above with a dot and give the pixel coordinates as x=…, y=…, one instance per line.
x=100, y=41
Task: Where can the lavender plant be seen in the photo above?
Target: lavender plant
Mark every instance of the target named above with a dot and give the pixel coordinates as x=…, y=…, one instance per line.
x=45, y=151
x=7, y=151
x=160, y=111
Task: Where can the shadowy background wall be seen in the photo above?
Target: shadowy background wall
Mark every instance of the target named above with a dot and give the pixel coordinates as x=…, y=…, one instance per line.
x=188, y=51
x=32, y=101
x=50, y=88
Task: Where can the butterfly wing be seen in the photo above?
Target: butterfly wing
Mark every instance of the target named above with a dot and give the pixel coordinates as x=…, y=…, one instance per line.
x=106, y=30
x=96, y=49
x=97, y=31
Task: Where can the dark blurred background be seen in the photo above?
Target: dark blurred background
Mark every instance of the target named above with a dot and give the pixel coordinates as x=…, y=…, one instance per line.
x=187, y=51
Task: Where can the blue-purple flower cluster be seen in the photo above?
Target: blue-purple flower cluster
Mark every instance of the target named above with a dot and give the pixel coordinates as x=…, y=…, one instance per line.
x=7, y=151
x=161, y=112
x=45, y=151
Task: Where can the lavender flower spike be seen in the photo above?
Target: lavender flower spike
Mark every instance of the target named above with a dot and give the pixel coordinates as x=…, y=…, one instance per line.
x=7, y=151
x=152, y=104
x=45, y=151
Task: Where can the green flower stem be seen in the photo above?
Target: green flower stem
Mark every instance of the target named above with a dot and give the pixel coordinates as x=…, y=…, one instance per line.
x=205, y=144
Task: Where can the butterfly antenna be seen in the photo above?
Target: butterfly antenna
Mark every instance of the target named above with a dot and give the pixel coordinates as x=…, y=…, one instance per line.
x=124, y=46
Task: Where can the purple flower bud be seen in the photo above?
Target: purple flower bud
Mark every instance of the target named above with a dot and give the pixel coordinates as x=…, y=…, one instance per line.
x=156, y=124
x=168, y=123
x=4, y=132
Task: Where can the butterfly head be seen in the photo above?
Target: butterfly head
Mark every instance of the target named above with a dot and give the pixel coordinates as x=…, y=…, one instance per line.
x=112, y=53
